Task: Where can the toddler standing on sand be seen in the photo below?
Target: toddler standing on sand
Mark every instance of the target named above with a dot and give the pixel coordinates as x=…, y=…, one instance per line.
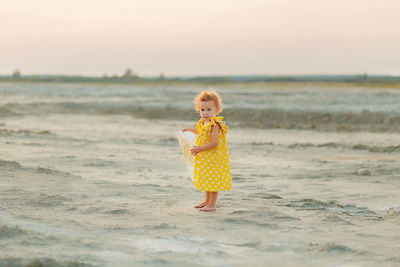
x=212, y=167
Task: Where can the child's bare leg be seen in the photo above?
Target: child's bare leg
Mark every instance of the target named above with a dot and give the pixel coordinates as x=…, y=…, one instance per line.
x=203, y=204
x=211, y=204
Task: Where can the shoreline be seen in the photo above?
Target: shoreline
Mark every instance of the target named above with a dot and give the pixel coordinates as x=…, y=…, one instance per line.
x=238, y=118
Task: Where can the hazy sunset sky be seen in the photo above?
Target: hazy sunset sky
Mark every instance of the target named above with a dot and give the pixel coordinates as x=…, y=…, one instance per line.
x=184, y=37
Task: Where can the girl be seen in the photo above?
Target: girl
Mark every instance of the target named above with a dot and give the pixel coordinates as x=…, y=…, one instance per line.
x=212, y=166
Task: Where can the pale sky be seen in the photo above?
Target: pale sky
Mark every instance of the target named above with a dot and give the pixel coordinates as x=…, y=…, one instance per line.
x=187, y=37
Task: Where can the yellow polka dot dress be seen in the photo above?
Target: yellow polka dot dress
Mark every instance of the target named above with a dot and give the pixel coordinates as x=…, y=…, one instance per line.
x=212, y=167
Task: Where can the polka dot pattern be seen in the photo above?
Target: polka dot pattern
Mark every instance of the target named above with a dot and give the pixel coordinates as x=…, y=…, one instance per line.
x=212, y=167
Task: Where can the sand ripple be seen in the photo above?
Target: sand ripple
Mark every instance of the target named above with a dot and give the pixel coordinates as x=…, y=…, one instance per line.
x=25, y=132
x=334, y=206
x=380, y=149
x=40, y=262
x=336, y=248
x=10, y=231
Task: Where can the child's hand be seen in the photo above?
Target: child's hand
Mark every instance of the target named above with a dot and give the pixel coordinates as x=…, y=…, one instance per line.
x=193, y=130
x=195, y=150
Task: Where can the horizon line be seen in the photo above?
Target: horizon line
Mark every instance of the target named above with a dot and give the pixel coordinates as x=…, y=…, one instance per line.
x=212, y=75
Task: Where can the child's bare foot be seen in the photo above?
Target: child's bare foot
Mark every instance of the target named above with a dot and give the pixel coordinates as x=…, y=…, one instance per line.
x=207, y=208
x=201, y=205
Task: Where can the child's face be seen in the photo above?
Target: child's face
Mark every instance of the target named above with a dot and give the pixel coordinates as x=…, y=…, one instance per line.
x=208, y=109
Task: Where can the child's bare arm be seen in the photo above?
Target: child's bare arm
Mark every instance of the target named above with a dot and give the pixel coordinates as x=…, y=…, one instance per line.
x=213, y=142
x=193, y=130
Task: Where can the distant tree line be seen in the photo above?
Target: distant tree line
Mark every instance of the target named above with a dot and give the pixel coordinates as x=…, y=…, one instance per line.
x=130, y=76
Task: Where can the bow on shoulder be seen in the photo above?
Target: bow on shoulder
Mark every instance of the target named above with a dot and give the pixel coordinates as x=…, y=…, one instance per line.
x=214, y=121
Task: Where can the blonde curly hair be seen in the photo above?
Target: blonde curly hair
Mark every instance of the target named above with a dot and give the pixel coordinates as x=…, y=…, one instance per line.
x=208, y=95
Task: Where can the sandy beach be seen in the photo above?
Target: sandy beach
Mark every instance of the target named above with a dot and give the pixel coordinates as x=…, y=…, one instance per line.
x=92, y=175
